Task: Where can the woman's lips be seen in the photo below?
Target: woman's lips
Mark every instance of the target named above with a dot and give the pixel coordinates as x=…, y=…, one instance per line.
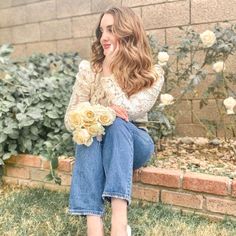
x=106, y=46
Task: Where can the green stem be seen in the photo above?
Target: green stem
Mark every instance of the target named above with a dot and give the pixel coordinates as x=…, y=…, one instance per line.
x=221, y=115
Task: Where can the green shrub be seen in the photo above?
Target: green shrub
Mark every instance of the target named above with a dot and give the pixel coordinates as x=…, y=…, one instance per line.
x=34, y=95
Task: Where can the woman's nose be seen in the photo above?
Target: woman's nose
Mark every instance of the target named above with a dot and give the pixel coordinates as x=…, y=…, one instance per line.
x=104, y=36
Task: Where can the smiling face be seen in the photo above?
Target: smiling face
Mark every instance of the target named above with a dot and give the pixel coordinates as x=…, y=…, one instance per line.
x=108, y=40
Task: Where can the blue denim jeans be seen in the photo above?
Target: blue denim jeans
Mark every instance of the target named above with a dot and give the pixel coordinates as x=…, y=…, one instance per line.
x=105, y=169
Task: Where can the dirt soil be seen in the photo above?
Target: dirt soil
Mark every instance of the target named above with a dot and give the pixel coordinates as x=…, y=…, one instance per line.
x=217, y=156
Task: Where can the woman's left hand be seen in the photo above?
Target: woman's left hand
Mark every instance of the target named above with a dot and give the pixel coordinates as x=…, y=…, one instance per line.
x=120, y=112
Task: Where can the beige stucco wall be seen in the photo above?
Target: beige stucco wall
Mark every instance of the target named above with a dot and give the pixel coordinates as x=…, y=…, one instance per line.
x=68, y=25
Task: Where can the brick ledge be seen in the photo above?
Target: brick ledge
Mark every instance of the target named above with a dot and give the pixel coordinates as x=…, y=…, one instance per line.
x=213, y=196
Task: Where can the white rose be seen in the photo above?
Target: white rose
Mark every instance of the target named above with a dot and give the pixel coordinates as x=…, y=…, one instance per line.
x=230, y=103
x=163, y=57
x=166, y=99
x=86, y=112
x=82, y=136
x=107, y=117
x=96, y=129
x=162, y=63
x=208, y=38
x=74, y=119
x=219, y=66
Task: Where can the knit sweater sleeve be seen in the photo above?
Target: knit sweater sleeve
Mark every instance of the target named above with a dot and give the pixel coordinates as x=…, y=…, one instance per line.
x=81, y=89
x=138, y=104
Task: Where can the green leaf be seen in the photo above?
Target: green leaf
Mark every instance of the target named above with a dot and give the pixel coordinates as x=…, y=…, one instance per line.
x=20, y=116
x=54, y=163
x=21, y=107
x=57, y=180
x=27, y=143
x=3, y=137
x=8, y=104
x=26, y=122
x=5, y=50
x=6, y=156
x=48, y=177
x=14, y=134
x=66, y=136
x=10, y=98
x=1, y=162
x=48, y=144
x=34, y=130
x=35, y=113
x=52, y=114
x=8, y=130
x=12, y=147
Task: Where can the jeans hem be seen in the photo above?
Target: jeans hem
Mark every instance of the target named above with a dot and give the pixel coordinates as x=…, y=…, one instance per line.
x=85, y=212
x=117, y=195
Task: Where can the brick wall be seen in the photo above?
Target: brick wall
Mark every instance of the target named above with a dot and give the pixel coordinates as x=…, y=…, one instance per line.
x=212, y=196
x=68, y=25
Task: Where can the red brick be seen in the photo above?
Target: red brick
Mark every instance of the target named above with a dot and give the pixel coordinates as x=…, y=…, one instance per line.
x=212, y=217
x=37, y=174
x=46, y=164
x=52, y=186
x=36, y=184
x=164, y=177
x=25, y=160
x=19, y=172
x=182, y=199
x=144, y=193
x=72, y=165
x=137, y=175
x=221, y=205
x=9, y=180
x=24, y=182
x=65, y=179
x=65, y=165
x=234, y=188
x=206, y=183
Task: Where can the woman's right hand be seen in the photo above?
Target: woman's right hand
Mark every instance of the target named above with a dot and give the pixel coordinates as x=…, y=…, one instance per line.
x=120, y=112
x=108, y=60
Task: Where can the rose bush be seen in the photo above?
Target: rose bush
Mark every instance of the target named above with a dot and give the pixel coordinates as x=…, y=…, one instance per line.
x=185, y=72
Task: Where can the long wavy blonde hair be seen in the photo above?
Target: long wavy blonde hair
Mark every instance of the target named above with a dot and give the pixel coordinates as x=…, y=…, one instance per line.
x=133, y=65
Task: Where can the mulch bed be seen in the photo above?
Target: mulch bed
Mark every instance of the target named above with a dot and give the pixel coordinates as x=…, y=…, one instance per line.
x=217, y=156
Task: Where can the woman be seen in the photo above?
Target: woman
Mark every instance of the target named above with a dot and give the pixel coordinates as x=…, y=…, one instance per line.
x=123, y=77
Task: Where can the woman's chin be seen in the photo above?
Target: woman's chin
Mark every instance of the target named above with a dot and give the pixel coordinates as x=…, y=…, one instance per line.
x=105, y=52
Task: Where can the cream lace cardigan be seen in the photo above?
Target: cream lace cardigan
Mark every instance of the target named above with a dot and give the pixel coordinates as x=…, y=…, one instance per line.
x=106, y=91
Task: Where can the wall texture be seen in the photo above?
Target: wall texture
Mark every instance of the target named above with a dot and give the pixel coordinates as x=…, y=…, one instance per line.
x=68, y=25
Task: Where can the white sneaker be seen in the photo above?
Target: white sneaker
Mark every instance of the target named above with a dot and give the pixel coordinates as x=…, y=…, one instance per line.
x=128, y=230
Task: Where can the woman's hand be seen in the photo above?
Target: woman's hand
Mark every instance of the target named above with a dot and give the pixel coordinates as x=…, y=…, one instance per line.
x=108, y=60
x=120, y=112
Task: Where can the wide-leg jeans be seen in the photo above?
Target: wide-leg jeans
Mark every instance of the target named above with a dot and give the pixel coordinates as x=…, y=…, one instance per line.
x=104, y=170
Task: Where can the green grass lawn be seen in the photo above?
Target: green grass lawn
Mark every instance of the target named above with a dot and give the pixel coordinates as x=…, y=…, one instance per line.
x=26, y=211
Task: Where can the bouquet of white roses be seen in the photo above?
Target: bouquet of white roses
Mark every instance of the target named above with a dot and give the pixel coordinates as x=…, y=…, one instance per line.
x=88, y=121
